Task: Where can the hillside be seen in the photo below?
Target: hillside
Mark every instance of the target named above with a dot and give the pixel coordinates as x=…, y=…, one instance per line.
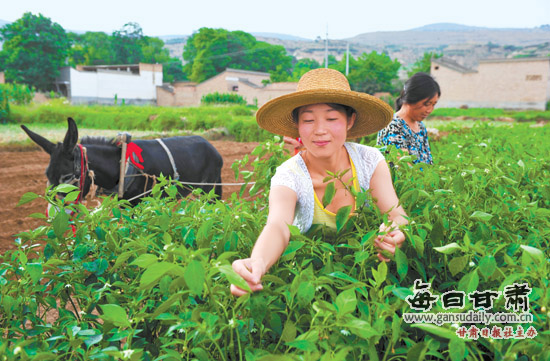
x=464, y=44
x=442, y=34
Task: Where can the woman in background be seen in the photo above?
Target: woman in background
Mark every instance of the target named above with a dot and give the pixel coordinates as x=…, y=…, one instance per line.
x=406, y=130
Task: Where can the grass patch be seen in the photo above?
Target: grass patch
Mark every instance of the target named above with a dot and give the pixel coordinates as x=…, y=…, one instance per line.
x=492, y=113
x=238, y=119
x=13, y=135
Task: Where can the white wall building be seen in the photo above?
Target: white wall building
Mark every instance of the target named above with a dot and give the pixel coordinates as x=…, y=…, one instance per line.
x=102, y=84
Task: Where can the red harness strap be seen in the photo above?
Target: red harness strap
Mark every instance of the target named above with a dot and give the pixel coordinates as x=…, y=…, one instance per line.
x=133, y=151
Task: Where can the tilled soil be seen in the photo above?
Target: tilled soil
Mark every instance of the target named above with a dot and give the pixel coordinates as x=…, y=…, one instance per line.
x=23, y=171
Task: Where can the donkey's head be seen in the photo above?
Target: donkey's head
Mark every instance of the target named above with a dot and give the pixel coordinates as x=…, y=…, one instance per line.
x=65, y=162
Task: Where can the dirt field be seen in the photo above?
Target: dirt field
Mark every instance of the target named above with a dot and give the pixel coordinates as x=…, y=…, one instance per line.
x=23, y=171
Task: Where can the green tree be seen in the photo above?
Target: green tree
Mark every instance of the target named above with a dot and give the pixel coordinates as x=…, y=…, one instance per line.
x=154, y=52
x=200, y=50
x=172, y=70
x=370, y=73
x=127, y=44
x=424, y=64
x=272, y=59
x=90, y=48
x=33, y=51
x=4, y=104
x=98, y=48
x=302, y=66
x=3, y=58
x=210, y=51
x=341, y=65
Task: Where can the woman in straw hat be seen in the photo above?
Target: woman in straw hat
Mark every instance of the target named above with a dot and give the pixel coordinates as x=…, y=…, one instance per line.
x=323, y=112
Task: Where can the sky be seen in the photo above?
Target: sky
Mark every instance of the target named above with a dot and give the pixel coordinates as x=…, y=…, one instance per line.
x=304, y=18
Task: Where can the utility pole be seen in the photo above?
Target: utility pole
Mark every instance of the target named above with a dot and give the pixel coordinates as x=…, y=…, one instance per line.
x=326, y=49
x=347, y=59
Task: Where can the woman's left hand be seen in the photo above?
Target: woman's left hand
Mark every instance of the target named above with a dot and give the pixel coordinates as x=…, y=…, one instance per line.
x=389, y=241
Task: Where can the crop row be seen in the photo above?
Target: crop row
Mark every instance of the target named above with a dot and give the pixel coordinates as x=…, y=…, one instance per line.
x=152, y=282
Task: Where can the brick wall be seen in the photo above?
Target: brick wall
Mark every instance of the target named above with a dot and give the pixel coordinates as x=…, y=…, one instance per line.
x=507, y=83
x=165, y=97
x=247, y=84
x=275, y=90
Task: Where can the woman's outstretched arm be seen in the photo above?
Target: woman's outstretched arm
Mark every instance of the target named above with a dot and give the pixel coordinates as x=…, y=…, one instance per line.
x=272, y=240
x=386, y=200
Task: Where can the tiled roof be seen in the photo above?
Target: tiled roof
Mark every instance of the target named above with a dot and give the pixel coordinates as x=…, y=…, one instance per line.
x=513, y=60
x=249, y=83
x=247, y=71
x=451, y=64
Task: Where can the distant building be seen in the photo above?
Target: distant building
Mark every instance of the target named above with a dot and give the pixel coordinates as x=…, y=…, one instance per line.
x=2, y=77
x=102, y=84
x=249, y=84
x=522, y=83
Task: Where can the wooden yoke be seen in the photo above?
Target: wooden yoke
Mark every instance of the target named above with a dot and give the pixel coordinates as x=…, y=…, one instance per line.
x=122, y=140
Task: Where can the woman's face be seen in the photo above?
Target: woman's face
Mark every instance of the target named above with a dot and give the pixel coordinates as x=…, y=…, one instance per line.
x=322, y=128
x=420, y=110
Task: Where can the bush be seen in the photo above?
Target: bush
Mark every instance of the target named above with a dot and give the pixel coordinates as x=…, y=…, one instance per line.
x=127, y=118
x=19, y=94
x=246, y=130
x=15, y=94
x=4, y=105
x=222, y=98
x=238, y=119
x=492, y=113
x=243, y=110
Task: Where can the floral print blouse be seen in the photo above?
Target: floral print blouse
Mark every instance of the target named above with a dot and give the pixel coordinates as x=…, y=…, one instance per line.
x=399, y=134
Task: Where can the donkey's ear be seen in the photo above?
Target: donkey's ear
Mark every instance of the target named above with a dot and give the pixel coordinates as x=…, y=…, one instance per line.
x=71, y=138
x=40, y=140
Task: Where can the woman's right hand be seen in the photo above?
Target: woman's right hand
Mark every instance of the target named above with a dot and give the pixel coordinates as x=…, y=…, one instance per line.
x=251, y=270
x=390, y=239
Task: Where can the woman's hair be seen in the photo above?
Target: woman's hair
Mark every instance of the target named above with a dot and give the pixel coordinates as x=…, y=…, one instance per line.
x=419, y=86
x=340, y=107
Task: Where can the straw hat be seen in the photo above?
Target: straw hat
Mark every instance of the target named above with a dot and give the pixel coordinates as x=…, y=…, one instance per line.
x=324, y=86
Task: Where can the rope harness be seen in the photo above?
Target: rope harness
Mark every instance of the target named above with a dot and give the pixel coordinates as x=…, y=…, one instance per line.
x=81, y=167
x=124, y=162
x=176, y=174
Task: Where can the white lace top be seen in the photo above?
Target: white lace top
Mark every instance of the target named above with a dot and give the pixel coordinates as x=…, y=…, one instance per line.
x=294, y=174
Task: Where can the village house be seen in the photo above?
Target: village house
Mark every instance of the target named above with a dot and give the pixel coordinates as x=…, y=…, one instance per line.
x=522, y=83
x=107, y=84
x=251, y=85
